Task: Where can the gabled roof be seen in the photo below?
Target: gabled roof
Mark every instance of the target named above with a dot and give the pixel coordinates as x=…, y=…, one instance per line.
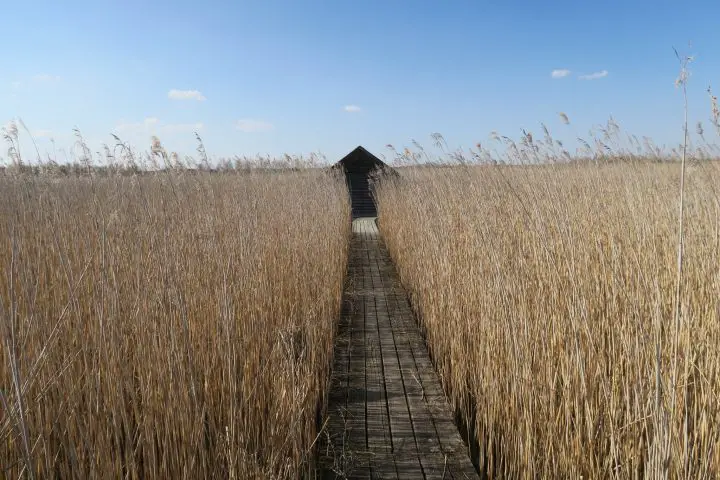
x=359, y=161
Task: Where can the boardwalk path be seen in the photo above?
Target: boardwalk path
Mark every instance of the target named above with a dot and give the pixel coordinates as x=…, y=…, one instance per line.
x=388, y=415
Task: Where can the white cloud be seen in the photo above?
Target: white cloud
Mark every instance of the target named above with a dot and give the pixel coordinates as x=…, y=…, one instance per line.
x=560, y=73
x=594, y=76
x=153, y=125
x=249, y=125
x=45, y=78
x=181, y=127
x=149, y=124
x=43, y=134
x=186, y=95
x=40, y=79
x=351, y=108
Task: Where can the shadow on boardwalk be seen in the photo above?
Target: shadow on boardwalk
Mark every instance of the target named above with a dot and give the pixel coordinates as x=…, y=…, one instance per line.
x=388, y=417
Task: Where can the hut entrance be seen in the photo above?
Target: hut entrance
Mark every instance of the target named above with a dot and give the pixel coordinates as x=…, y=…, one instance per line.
x=358, y=165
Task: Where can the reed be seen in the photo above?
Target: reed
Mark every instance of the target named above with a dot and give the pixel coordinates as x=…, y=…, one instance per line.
x=548, y=296
x=167, y=325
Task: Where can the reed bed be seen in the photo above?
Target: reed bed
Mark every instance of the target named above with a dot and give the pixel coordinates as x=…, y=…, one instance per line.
x=168, y=325
x=547, y=293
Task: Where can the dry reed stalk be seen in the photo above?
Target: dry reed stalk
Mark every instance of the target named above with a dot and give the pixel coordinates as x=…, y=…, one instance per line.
x=547, y=293
x=169, y=325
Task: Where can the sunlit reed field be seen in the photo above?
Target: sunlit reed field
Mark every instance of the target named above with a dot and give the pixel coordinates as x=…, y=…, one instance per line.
x=168, y=325
x=547, y=293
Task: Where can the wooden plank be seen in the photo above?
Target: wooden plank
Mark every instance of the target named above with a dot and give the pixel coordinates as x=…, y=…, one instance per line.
x=388, y=417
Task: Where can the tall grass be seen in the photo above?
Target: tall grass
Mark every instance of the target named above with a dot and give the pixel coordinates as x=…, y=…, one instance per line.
x=168, y=325
x=547, y=293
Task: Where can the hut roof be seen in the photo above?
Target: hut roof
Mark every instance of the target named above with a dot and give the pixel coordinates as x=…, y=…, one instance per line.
x=360, y=161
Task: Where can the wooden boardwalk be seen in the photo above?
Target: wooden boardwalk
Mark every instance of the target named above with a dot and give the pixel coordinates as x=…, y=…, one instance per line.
x=388, y=416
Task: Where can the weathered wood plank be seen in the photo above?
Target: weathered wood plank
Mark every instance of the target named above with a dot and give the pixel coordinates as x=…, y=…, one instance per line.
x=388, y=416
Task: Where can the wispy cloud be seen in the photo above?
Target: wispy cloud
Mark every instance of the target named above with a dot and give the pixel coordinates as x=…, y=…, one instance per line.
x=134, y=127
x=352, y=108
x=249, y=125
x=181, y=127
x=153, y=125
x=46, y=78
x=43, y=133
x=560, y=73
x=39, y=79
x=186, y=95
x=595, y=75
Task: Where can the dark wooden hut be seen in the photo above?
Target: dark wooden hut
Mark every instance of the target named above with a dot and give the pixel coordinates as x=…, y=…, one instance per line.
x=358, y=166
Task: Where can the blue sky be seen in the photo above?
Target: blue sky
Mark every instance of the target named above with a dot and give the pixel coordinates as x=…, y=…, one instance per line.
x=275, y=77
